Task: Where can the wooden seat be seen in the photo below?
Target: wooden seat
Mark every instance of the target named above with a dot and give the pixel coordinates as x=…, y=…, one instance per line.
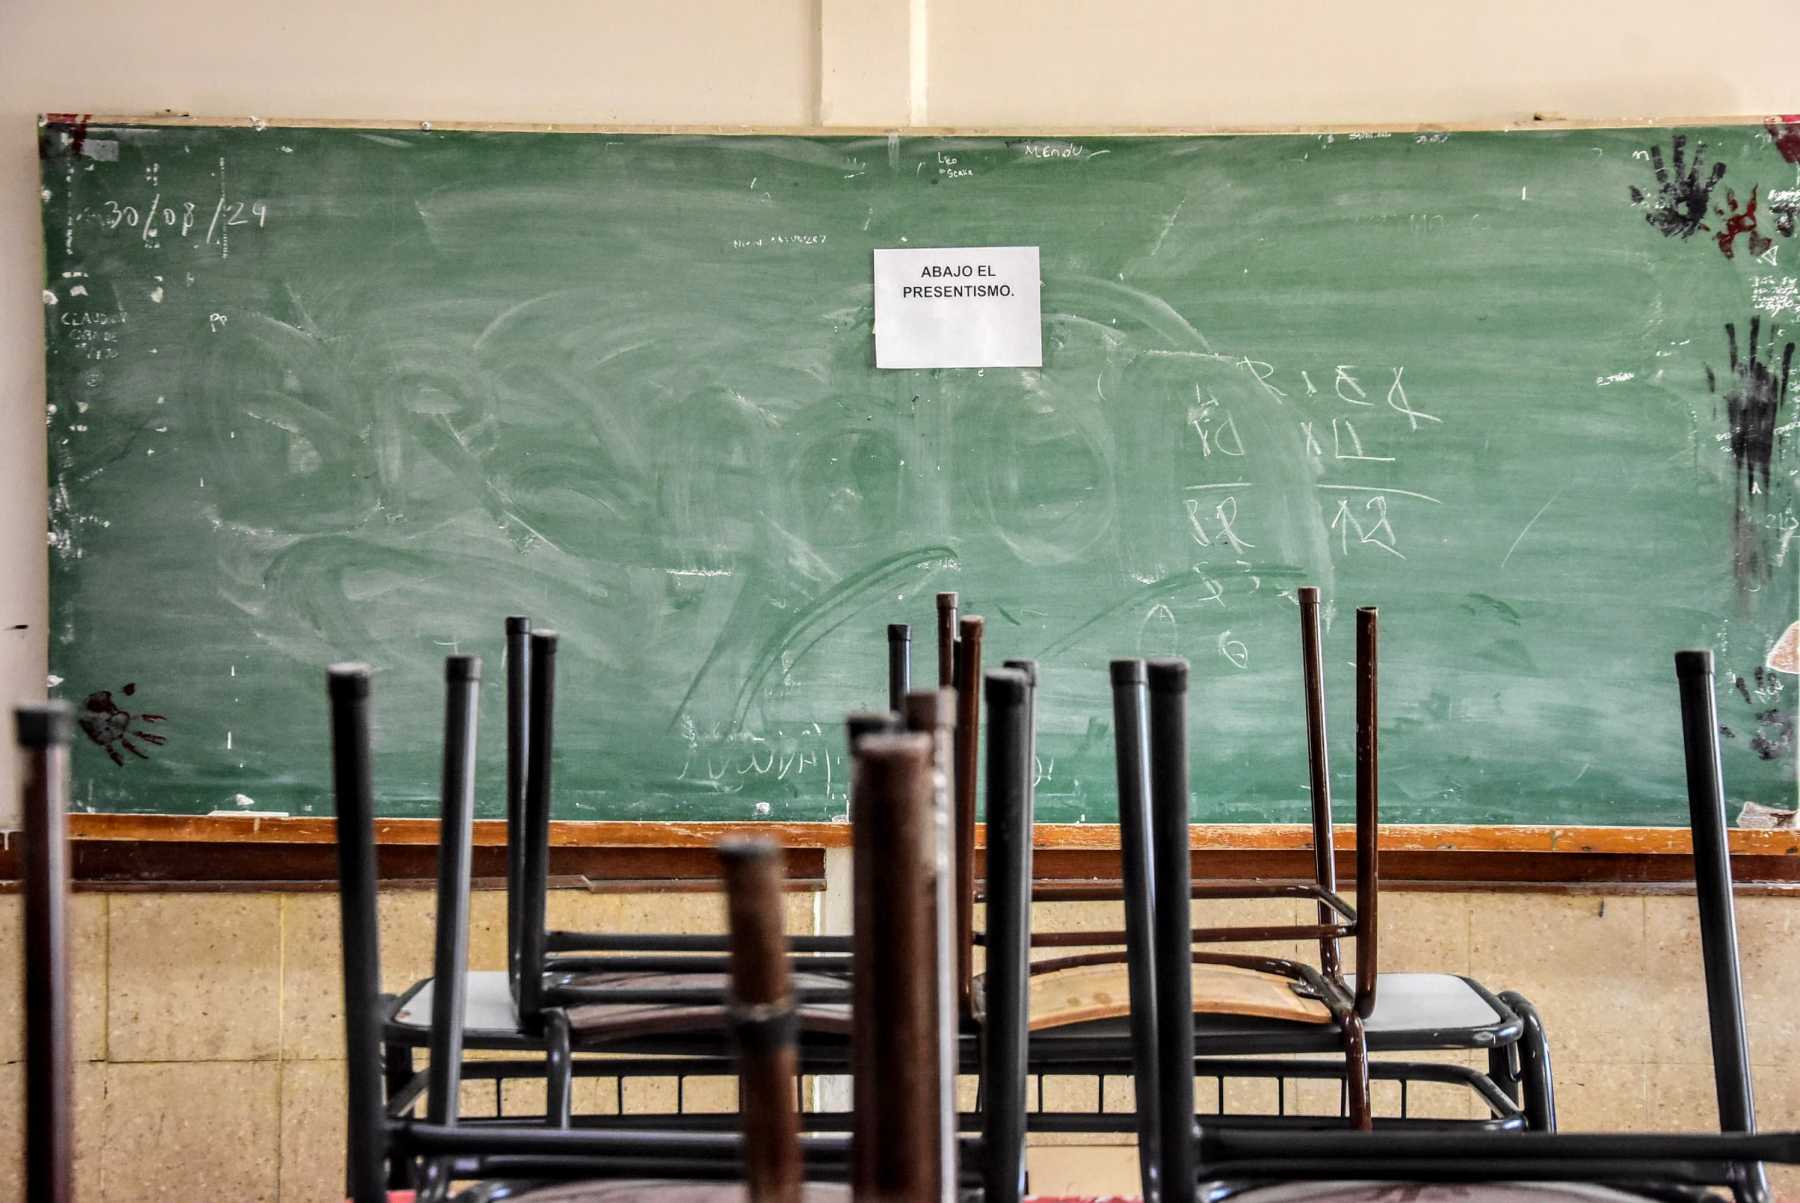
x=630, y=1020
x=1086, y=993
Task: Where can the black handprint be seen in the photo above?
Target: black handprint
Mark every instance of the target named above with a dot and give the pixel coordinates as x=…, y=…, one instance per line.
x=1752, y=405
x=1682, y=199
x=111, y=727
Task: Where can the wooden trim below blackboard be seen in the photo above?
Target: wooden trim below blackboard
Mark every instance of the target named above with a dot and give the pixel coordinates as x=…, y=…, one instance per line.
x=1261, y=837
x=262, y=852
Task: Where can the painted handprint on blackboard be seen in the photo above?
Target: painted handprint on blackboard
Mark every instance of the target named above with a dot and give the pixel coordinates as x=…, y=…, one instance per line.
x=1753, y=402
x=1742, y=222
x=1681, y=200
x=113, y=727
x=1754, y=395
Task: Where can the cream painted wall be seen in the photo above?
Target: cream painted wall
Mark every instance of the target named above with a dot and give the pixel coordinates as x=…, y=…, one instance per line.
x=802, y=62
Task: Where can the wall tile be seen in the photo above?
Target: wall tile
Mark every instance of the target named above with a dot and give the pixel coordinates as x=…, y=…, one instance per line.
x=1420, y=933
x=193, y=977
x=1082, y=1170
x=1768, y=930
x=1580, y=958
x=90, y=1126
x=179, y=1132
x=87, y=976
x=1601, y=1096
x=312, y=1132
x=312, y=1020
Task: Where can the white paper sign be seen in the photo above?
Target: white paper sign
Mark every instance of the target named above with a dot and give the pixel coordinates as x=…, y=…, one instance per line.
x=958, y=307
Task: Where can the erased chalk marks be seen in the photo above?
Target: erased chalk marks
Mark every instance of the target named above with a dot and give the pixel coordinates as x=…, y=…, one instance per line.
x=113, y=728
x=1679, y=206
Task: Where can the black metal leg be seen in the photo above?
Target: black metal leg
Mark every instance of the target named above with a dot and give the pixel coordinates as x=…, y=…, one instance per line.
x=536, y=859
x=1538, y=1087
x=1174, y=944
x=1005, y=1032
x=899, y=665
x=1712, y=889
x=518, y=701
x=449, y=981
x=43, y=733
x=1132, y=755
x=558, y=1069
x=353, y=797
x=397, y=1073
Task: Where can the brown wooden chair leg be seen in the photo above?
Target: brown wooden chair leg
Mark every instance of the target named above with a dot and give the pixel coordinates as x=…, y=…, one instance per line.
x=894, y=1144
x=762, y=1020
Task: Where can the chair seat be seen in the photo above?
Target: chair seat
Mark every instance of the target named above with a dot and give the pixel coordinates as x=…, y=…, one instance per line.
x=624, y=1191
x=488, y=1010
x=489, y=1013
x=1413, y=1011
x=627, y=1020
x=1087, y=993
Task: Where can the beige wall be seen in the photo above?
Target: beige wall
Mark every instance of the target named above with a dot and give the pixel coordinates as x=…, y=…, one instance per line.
x=207, y=1025
x=802, y=62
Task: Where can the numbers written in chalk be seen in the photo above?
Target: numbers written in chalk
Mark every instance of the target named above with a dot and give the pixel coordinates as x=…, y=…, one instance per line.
x=162, y=217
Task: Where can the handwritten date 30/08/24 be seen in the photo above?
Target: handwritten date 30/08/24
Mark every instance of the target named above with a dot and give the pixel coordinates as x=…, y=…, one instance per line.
x=166, y=217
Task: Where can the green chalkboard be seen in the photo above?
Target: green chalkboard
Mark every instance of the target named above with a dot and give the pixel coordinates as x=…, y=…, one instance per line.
x=319, y=394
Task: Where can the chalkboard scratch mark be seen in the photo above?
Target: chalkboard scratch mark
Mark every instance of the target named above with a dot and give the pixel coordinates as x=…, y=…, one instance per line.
x=848, y=597
x=1155, y=591
x=1168, y=224
x=1007, y=614
x=1376, y=489
x=1528, y=526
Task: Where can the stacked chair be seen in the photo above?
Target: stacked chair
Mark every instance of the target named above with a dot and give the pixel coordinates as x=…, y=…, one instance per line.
x=1088, y=1012
x=896, y=1150
x=1203, y=1160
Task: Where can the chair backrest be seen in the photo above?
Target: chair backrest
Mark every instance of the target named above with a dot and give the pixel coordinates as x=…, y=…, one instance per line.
x=1712, y=888
x=518, y=701
x=761, y=1014
x=43, y=735
x=1006, y=1018
x=365, y=1145
x=896, y=1129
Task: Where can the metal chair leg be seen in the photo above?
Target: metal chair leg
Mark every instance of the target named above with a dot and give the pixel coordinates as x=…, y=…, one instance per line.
x=1537, y=1089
